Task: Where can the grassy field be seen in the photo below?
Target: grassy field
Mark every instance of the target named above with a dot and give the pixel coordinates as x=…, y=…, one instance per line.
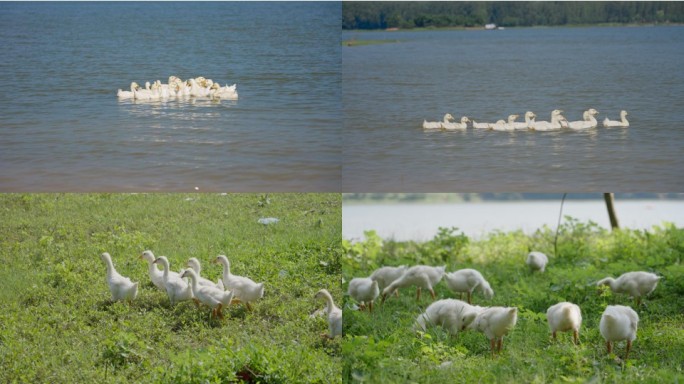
x=381, y=347
x=57, y=323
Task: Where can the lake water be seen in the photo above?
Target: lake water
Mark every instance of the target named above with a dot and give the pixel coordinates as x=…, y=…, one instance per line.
x=420, y=222
x=62, y=127
x=388, y=90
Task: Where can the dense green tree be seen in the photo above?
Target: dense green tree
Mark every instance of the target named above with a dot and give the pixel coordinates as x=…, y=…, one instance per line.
x=381, y=15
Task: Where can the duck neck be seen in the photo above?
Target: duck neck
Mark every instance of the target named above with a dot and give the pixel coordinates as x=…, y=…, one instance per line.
x=226, y=269
x=194, y=284
x=110, y=267
x=609, y=281
x=152, y=267
x=329, y=303
x=623, y=118
x=165, y=265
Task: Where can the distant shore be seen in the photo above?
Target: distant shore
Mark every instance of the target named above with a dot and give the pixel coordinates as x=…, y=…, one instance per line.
x=482, y=28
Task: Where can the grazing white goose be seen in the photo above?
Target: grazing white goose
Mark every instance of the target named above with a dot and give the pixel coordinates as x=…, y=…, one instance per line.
x=537, y=261
x=334, y=314
x=437, y=124
x=588, y=122
x=364, y=290
x=127, y=94
x=454, y=126
x=505, y=126
x=422, y=276
x=554, y=125
x=195, y=265
x=176, y=288
x=495, y=323
x=212, y=296
x=121, y=288
x=386, y=275
x=636, y=284
x=477, y=125
x=450, y=314
x=529, y=118
x=565, y=317
x=622, y=123
x=467, y=280
x=244, y=289
x=619, y=323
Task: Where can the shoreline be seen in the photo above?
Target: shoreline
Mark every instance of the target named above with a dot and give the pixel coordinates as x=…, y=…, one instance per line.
x=482, y=28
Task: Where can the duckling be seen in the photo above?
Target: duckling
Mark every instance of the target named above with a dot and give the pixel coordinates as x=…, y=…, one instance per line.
x=208, y=294
x=635, y=284
x=495, y=322
x=122, y=288
x=619, y=323
x=451, y=314
x=386, y=275
x=244, y=289
x=565, y=317
x=537, y=261
x=364, y=290
x=334, y=314
x=467, y=280
x=195, y=265
x=176, y=288
x=423, y=276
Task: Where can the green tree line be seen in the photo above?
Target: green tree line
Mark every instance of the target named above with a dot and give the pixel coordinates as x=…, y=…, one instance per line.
x=381, y=15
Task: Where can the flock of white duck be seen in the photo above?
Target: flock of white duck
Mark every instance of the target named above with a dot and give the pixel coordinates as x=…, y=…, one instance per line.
x=558, y=122
x=617, y=322
x=178, y=89
x=227, y=290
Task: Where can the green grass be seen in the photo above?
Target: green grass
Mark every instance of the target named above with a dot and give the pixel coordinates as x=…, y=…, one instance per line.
x=57, y=323
x=382, y=348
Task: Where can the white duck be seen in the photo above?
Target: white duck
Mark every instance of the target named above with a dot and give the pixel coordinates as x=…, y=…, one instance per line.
x=422, y=276
x=437, y=124
x=622, y=123
x=228, y=92
x=386, y=275
x=477, y=125
x=195, y=265
x=635, y=284
x=537, y=261
x=212, y=296
x=176, y=288
x=452, y=315
x=495, y=323
x=505, y=126
x=565, y=317
x=619, y=323
x=122, y=288
x=467, y=280
x=244, y=289
x=364, y=290
x=588, y=122
x=334, y=314
x=127, y=94
x=554, y=125
x=454, y=126
x=529, y=118
x=156, y=275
